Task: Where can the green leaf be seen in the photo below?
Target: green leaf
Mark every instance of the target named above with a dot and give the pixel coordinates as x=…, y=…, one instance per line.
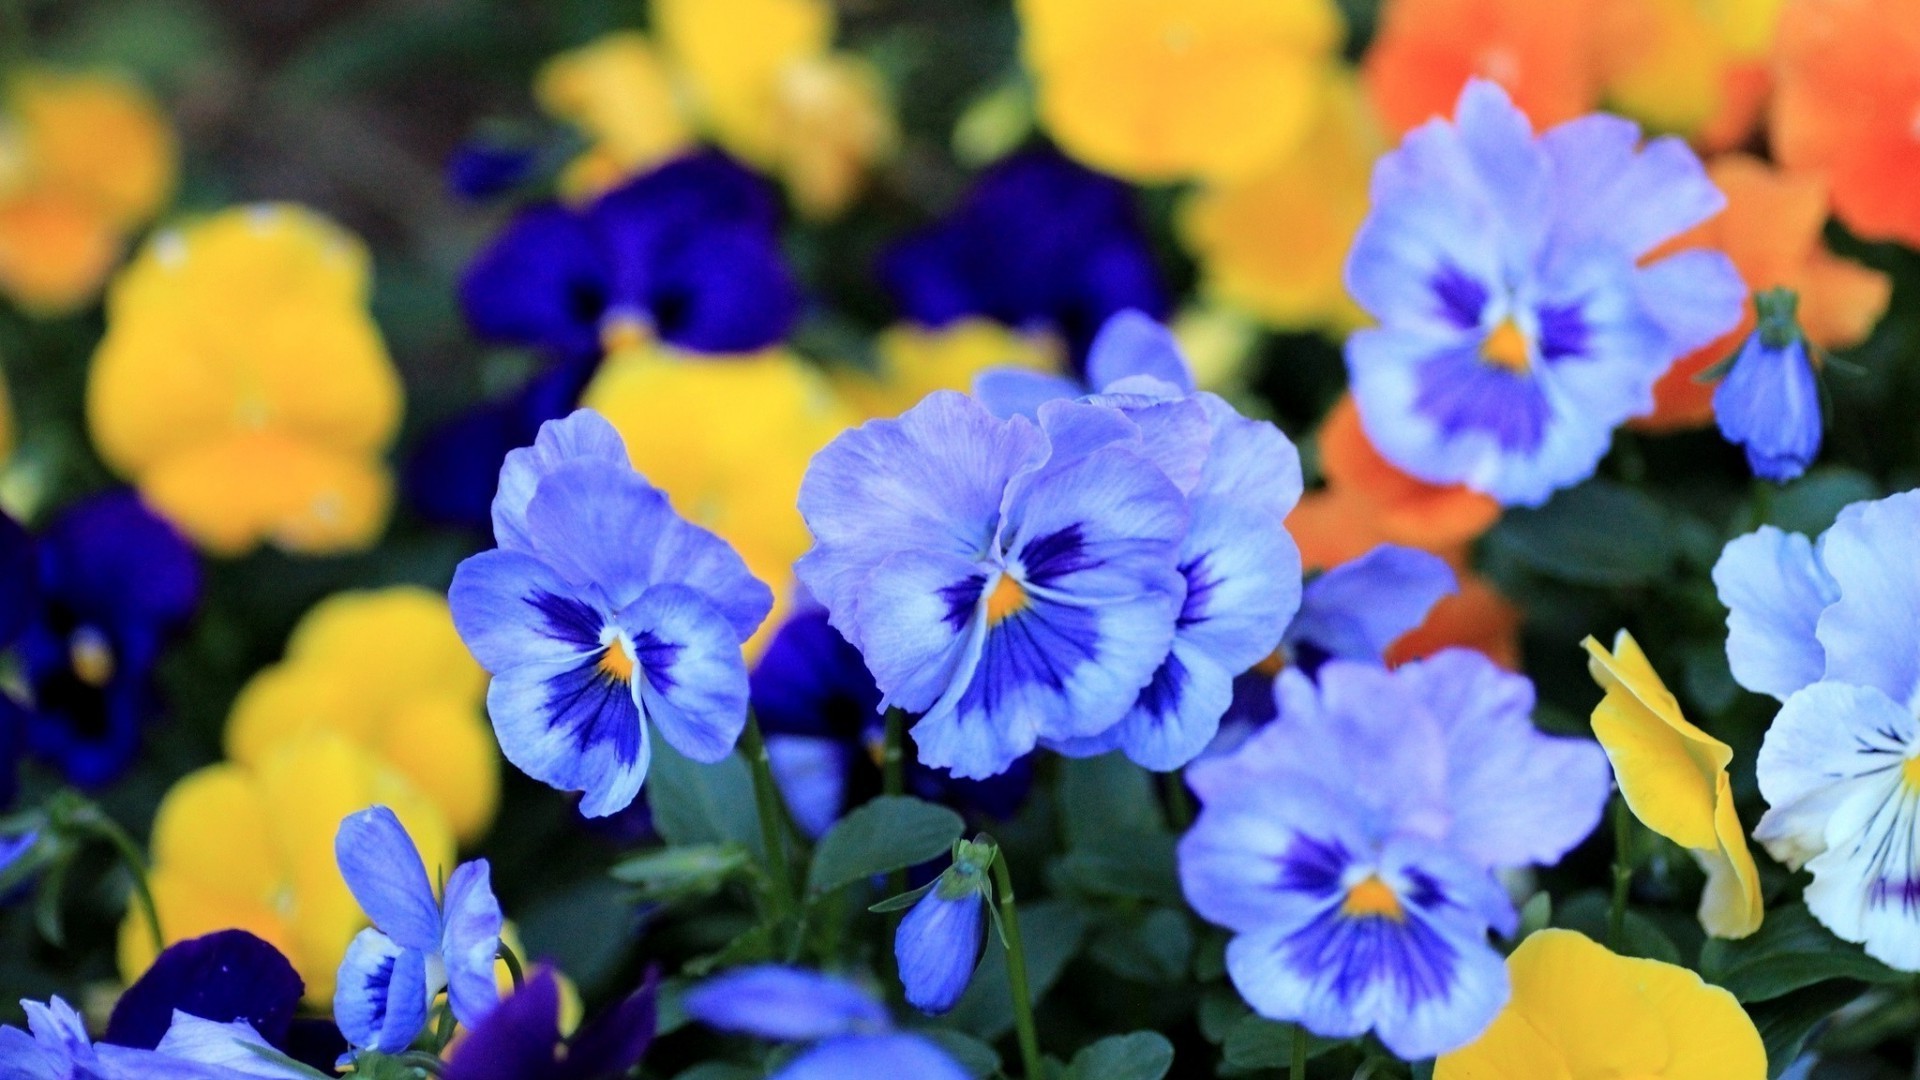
x=1052, y=931
x=1789, y=952
x=1787, y=1022
x=975, y=1057
x=1640, y=936
x=1143, y=1055
x=1600, y=534
x=1107, y=803
x=890, y=833
x=682, y=872
x=1154, y=949
x=1257, y=1043
x=1809, y=504
x=703, y=804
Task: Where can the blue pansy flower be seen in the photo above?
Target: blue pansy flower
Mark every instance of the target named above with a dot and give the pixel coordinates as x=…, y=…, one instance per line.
x=1039, y=243
x=938, y=943
x=688, y=253
x=521, y=1039
x=111, y=583
x=1354, y=611
x=1829, y=629
x=1769, y=402
x=603, y=615
x=222, y=977
x=483, y=167
x=418, y=945
x=1352, y=846
x=1007, y=580
x=1519, y=321
x=820, y=709
x=852, y=1034
x=1240, y=567
x=55, y=1046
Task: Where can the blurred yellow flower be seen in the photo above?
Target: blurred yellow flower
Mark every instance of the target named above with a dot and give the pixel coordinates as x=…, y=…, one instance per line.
x=251, y=848
x=619, y=93
x=385, y=670
x=764, y=83
x=1161, y=90
x=243, y=386
x=85, y=160
x=1579, y=1011
x=1674, y=778
x=728, y=440
x=912, y=361
x=1692, y=67
x=1275, y=245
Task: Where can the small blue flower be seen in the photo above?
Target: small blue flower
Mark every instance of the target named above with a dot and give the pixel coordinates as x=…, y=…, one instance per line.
x=1769, y=402
x=1009, y=581
x=939, y=940
x=1351, y=846
x=603, y=615
x=688, y=253
x=1038, y=243
x=1518, y=325
x=418, y=945
x=55, y=1046
x=222, y=977
x=852, y=1033
x=521, y=1039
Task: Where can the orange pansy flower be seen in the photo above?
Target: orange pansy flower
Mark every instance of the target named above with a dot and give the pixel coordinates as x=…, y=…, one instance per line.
x=1541, y=53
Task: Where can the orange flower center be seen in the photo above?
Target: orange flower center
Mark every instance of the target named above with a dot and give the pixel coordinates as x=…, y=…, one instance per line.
x=91, y=657
x=1007, y=599
x=615, y=664
x=621, y=333
x=1507, y=347
x=1373, y=898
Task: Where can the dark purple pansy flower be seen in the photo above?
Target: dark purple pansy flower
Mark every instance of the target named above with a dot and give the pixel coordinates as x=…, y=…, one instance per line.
x=520, y=1039
x=225, y=976
x=1039, y=242
x=452, y=474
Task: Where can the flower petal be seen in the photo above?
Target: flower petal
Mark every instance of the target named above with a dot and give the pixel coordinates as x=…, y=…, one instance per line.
x=381, y=999
x=1775, y=589
x=383, y=870
x=471, y=942
x=689, y=675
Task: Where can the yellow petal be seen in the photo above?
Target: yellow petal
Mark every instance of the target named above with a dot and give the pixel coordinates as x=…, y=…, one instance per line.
x=1665, y=766
x=1731, y=905
x=914, y=361
x=618, y=92
x=400, y=642
x=233, y=495
x=734, y=53
x=443, y=745
x=98, y=136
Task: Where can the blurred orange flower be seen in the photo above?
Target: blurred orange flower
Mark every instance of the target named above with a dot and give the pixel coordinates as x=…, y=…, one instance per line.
x=1696, y=68
x=1540, y=52
x=1847, y=103
x=1771, y=231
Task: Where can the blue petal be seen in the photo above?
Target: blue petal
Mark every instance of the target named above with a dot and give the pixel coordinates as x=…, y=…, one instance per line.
x=784, y=1004
x=1250, y=461
x=1868, y=631
x=1008, y=392
x=1359, y=608
x=451, y=475
x=937, y=947
x=232, y=1050
x=1132, y=344
x=1179, y=711
x=812, y=775
x=575, y=728
x=511, y=609
x=382, y=869
x=1774, y=588
x=541, y=282
x=873, y=1057
x=224, y=976
x=920, y=624
x=689, y=675
x=1242, y=575
x=1696, y=296
x=381, y=999
x=518, y=1040
x=1769, y=403
x=612, y=1043
x=583, y=435
x=18, y=580
x=471, y=942
x=1609, y=189
x=113, y=563
x=812, y=681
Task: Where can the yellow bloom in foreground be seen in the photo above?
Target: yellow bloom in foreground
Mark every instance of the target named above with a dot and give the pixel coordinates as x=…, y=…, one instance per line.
x=85, y=159
x=728, y=441
x=912, y=361
x=252, y=848
x=1160, y=90
x=1579, y=1012
x=243, y=386
x=385, y=670
x=1275, y=245
x=619, y=93
x=1674, y=778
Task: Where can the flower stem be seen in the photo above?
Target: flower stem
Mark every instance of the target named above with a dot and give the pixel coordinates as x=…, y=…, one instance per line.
x=773, y=831
x=514, y=969
x=1622, y=873
x=893, y=755
x=1179, y=800
x=110, y=831
x=1030, y=1061
x=1299, y=1069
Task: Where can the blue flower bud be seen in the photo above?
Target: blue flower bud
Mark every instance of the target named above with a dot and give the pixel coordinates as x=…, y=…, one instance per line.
x=1769, y=402
x=938, y=944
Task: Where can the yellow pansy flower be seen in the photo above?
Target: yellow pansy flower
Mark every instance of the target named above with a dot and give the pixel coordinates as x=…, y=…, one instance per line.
x=1674, y=778
x=85, y=159
x=619, y=93
x=386, y=670
x=243, y=386
x=912, y=361
x=728, y=440
x=1580, y=1012
x=1694, y=67
x=1275, y=244
x=1161, y=90
x=251, y=847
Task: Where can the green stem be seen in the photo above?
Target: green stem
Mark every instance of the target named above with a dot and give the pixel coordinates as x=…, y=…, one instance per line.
x=514, y=970
x=1179, y=800
x=1017, y=973
x=773, y=832
x=425, y=1062
x=1622, y=873
x=110, y=831
x=1299, y=1069
x=893, y=755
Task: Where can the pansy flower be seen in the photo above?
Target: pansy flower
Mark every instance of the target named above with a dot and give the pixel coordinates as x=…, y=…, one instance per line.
x=617, y=91
x=1829, y=630
x=419, y=944
x=1009, y=581
x=1519, y=325
x=852, y=1036
x=603, y=615
x=1427, y=51
x=521, y=1039
x=56, y=1046
x=112, y=585
x=1350, y=847
x=1038, y=244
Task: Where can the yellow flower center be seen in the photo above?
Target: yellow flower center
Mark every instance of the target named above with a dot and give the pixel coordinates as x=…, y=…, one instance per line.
x=615, y=664
x=1007, y=599
x=1910, y=773
x=624, y=333
x=91, y=657
x=1373, y=898
x=1507, y=347
x=1274, y=663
